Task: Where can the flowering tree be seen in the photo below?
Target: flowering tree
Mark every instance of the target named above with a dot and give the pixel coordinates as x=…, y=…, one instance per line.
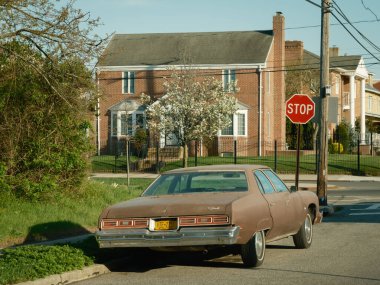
x=193, y=108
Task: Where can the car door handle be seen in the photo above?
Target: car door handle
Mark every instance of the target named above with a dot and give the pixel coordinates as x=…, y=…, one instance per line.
x=272, y=204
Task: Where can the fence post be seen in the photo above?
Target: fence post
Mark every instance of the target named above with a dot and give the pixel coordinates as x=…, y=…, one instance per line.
x=157, y=158
x=358, y=156
x=275, y=156
x=316, y=156
x=235, y=150
x=196, y=152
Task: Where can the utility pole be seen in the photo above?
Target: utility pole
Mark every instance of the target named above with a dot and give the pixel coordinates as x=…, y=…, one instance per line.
x=323, y=104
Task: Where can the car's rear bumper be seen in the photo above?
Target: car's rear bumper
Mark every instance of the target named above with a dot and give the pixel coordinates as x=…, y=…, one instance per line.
x=183, y=237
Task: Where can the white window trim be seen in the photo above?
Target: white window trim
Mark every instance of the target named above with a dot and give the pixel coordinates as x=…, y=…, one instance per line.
x=235, y=125
x=134, y=121
x=126, y=74
x=229, y=80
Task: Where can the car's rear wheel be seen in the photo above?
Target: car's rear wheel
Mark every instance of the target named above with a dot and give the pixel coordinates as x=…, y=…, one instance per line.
x=304, y=237
x=253, y=252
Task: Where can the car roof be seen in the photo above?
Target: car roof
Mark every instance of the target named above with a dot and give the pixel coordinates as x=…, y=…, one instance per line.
x=222, y=167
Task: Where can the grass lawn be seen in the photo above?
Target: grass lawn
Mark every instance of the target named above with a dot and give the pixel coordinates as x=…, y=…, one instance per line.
x=110, y=163
x=76, y=213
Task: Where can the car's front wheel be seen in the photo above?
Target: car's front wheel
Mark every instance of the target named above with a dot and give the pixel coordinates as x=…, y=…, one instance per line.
x=304, y=236
x=253, y=252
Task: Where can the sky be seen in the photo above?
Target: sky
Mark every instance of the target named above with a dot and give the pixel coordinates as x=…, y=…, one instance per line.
x=302, y=20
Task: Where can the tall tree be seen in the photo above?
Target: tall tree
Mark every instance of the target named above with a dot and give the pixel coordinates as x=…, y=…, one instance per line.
x=45, y=46
x=42, y=131
x=193, y=108
x=52, y=27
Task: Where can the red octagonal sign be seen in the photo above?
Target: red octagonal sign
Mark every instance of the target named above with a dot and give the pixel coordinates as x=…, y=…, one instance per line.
x=300, y=108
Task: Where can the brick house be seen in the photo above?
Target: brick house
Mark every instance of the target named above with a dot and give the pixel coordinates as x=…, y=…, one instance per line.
x=133, y=64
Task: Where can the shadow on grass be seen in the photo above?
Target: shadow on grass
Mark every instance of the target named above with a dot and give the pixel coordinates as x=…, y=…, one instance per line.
x=54, y=230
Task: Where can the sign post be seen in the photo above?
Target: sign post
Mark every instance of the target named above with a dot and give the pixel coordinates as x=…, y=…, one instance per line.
x=300, y=109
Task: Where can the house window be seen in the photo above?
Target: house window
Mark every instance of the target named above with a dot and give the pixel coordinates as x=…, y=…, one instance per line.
x=229, y=131
x=346, y=101
x=337, y=85
x=229, y=78
x=369, y=103
x=128, y=82
x=238, y=126
x=124, y=123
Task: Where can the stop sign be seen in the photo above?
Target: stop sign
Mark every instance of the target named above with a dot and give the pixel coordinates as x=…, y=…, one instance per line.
x=300, y=108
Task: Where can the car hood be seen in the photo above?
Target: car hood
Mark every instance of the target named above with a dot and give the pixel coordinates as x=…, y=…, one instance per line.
x=174, y=205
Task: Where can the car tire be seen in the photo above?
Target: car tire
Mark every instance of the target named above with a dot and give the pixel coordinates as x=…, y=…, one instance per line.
x=304, y=237
x=253, y=252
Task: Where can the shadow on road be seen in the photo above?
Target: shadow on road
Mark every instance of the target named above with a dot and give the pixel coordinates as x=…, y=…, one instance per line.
x=364, y=212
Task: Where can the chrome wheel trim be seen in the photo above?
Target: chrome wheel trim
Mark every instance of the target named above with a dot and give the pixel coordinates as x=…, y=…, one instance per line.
x=259, y=245
x=308, y=229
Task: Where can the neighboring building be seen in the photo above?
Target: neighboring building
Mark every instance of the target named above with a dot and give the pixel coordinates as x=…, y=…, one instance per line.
x=357, y=99
x=372, y=109
x=136, y=63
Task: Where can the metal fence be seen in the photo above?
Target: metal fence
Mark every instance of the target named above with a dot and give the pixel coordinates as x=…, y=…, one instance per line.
x=358, y=160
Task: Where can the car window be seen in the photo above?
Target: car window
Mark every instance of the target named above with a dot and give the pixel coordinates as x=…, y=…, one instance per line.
x=180, y=184
x=213, y=181
x=259, y=185
x=267, y=187
x=277, y=182
x=161, y=186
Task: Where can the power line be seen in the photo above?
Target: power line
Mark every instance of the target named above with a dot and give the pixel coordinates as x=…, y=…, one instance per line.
x=295, y=68
x=367, y=8
x=336, y=24
x=340, y=12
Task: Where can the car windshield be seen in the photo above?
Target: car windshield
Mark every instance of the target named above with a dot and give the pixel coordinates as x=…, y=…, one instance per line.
x=198, y=182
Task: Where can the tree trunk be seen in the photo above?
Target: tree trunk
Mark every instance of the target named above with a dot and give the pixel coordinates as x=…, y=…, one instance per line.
x=184, y=158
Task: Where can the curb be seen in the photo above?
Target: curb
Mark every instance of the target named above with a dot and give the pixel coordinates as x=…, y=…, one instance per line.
x=71, y=276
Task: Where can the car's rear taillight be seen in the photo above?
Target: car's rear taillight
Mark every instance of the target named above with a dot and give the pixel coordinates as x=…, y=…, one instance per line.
x=189, y=221
x=124, y=223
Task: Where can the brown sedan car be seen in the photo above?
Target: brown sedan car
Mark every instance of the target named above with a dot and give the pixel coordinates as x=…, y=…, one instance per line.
x=237, y=206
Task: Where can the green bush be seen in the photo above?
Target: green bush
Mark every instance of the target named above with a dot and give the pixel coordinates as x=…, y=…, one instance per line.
x=38, y=261
x=43, y=146
x=336, y=148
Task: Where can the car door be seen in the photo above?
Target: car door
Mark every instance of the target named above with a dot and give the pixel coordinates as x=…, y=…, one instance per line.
x=278, y=204
x=293, y=203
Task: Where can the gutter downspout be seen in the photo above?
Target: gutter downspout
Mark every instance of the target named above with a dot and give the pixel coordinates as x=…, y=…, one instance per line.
x=260, y=110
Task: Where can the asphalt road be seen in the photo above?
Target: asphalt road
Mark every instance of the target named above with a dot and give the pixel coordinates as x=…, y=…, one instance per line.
x=345, y=250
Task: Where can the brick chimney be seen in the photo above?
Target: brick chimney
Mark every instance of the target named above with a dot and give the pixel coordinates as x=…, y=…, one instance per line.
x=370, y=78
x=279, y=77
x=334, y=51
x=293, y=51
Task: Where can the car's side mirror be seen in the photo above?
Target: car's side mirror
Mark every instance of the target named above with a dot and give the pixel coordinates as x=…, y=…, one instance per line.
x=293, y=188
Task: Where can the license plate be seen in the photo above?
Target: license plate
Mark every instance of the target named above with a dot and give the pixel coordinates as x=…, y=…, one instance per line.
x=165, y=225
